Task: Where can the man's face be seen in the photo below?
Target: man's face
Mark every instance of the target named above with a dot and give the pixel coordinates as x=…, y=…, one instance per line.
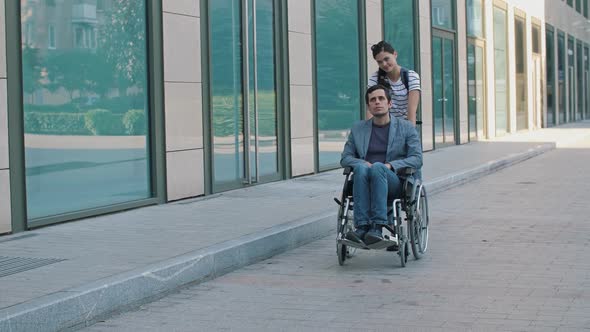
x=386, y=61
x=378, y=103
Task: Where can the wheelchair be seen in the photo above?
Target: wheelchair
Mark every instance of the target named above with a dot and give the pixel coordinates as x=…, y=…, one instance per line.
x=414, y=204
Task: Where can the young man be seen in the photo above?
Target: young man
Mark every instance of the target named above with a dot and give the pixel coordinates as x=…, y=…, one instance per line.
x=375, y=149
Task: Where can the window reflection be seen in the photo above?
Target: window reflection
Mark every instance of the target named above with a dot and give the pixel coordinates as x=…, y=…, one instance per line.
x=398, y=25
x=338, y=77
x=85, y=104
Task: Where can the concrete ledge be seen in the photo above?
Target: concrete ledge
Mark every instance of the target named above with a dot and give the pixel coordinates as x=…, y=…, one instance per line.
x=80, y=306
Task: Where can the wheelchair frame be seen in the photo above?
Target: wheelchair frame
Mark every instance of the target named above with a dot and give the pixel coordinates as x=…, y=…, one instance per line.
x=414, y=203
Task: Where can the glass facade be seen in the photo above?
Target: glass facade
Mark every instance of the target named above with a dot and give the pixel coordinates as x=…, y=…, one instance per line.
x=561, y=75
x=337, y=75
x=475, y=22
x=571, y=79
x=586, y=83
x=444, y=90
x=501, y=70
x=521, y=74
x=245, y=148
x=398, y=27
x=475, y=91
x=85, y=105
x=442, y=14
x=579, y=80
x=550, y=62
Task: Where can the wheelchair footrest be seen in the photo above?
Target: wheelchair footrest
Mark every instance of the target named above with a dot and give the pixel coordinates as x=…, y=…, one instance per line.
x=378, y=245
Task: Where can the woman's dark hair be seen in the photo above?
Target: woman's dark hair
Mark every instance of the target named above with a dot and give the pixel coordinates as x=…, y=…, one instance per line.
x=382, y=46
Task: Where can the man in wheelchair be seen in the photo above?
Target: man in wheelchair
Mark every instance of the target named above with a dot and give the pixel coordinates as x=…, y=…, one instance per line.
x=378, y=150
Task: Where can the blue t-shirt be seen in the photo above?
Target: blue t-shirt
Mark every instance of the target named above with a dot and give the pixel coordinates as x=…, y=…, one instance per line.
x=378, y=144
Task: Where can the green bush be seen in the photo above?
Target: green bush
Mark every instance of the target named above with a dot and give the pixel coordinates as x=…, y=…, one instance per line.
x=135, y=122
x=55, y=123
x=104, y=122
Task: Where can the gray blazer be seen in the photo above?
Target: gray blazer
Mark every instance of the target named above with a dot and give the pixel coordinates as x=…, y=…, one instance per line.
x=403, y=148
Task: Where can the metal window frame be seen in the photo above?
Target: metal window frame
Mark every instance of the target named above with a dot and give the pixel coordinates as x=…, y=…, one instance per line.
x=156, y=136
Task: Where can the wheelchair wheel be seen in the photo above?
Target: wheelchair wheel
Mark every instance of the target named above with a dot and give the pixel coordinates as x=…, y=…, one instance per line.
x=418, y=225
x=403, y=253
x=341, y=249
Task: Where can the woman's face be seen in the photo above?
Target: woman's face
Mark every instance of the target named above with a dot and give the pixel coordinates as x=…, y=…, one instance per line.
x=386, y=61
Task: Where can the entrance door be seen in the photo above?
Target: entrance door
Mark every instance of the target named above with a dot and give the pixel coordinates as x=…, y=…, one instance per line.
x=243, y=94
x=475, y=89
x=537, y=103
x=443, y=69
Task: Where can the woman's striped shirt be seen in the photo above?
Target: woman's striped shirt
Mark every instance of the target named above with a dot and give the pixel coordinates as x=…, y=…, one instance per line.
x=398, y=92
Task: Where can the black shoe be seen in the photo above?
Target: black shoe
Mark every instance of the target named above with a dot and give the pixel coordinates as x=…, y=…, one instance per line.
x=374, y=235
x=394, y=247
x=357, y=235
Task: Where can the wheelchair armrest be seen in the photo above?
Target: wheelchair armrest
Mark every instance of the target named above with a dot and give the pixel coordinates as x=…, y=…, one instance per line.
x=347, y=170
x=406, y=171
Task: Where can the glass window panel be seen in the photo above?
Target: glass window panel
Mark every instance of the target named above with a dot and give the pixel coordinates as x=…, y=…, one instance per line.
x=579, y=6
x=561, y=75
x=571, y=80
x=398, y=25
x=587, y=82
x=579, y=79
x=338, y=75
x=449, y=89
x=226, y=90
x=437, y=77
x=475, y=18
x=442, y=14
x=480, y=91
x=85, y=106
x=471, y=92
x=265, y=76
x=500, y=71
x=550, y=61
x=521, y=74
x=536, y=35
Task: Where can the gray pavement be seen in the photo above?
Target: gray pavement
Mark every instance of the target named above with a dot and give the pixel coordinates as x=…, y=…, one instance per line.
x=122, y=260
x=508, y=252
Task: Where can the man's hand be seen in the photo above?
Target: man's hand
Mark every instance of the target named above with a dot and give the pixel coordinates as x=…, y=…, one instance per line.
x=368, y=163
x=388, y=165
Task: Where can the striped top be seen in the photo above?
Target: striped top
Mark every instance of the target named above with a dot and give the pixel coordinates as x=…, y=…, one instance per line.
x=398, y=92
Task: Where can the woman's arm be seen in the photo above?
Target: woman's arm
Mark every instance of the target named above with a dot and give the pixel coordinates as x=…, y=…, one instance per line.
x=413, y=100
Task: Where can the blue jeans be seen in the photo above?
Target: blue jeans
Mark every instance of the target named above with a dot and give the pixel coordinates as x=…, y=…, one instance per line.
x=373, y=187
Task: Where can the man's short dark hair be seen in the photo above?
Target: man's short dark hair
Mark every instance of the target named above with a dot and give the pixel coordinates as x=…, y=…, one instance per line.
x=375, y=88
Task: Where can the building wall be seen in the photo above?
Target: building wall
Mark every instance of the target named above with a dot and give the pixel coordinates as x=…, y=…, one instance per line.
x=426, y=74
x=183, y=98
x=301, y=87
x=5, y=218
x=462, y=72
x=374, y=19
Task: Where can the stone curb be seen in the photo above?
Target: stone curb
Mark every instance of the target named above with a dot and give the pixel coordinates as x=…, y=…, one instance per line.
x=80, y=306
x=459, y=178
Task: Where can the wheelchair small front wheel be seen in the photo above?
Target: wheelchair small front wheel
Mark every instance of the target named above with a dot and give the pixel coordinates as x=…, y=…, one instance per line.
x=403, y=253
x=342, y=252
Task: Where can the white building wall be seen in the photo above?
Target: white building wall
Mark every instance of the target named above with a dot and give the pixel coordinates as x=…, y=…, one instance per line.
x=426, y=74
x=183, y=98
x=301, y=87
